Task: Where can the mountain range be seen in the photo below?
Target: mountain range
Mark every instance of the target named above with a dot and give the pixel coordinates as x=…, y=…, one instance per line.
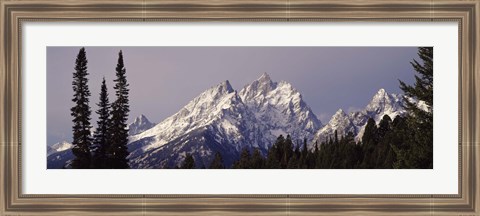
x=224, y=120
x=381, y=104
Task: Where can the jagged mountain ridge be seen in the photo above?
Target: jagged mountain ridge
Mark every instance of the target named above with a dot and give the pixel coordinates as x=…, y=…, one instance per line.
x=281, y=108
x=139, y=125
x=382, y=103
x=221, y=119
x=218, y=111
x=224, y=120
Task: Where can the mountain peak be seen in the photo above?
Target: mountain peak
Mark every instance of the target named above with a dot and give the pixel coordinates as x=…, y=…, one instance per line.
x=141, y=118
x=340, y=114
x=58, y=147
x=265, y=81
x=381, y=92
x=225, y=87
x=265, y=78
x=140, y=124
x=340, y=111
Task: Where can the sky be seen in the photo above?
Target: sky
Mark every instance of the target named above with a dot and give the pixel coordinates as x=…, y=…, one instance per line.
x=164, y=79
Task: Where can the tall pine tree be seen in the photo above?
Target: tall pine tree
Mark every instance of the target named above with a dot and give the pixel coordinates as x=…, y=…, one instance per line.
x=189, y=162
x=257, y=160
x=102, y=133
x=217, y=162
x=244, y=161
x=420, y=121
x=118, y=151
x=369, y=143
x=80, y=112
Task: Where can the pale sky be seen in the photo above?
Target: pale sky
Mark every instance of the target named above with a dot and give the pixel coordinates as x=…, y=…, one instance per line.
x=164, y=79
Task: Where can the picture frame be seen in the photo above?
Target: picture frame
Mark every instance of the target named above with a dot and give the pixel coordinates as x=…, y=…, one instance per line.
x=14, y=13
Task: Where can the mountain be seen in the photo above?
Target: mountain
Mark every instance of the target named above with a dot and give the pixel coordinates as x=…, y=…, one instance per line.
x=341, y=122
x=59, y=160
x=216, y=120
x=58, y=154
x=222, y=120
x=58, y=147
x=139, y=125
x=280, y=108
x=382, y=103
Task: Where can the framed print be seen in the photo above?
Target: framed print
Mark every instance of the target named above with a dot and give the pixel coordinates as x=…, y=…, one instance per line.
x=239, y=108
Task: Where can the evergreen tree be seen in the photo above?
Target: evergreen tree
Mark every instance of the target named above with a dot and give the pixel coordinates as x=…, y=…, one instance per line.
x=287, y=151
x=244, y=161
x=313, y=156
x=369, y=142
x=257, y=161
x=118, y=151
x=273, y=161
x=384, y=126
x=420, y=122
x=296, y=151
x=275, y=154
x=336, y=138
x=389, y=145
x=399, y=142
x=80, y=112
x=189, y=162
x=303, y=155
x=358, y=155
x=217, y=162
x=369, y=135
x=322, y=155
x=382, y=148
x=350, y=156
x=102, y=133
x=293, y=163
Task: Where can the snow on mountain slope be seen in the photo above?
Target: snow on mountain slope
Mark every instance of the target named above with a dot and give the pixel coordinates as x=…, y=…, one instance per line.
x=58, y=147
x=139, y=125
x=382, y=103
x=385, y=104
x=281, y=109
x=341, y=122
x=197, y=113
x=220, y=119
x=218, y=112
x=223, y=120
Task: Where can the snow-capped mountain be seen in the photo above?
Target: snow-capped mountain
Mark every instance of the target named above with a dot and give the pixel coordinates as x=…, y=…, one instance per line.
x=381, y=104
x=341, y=122
x=139, y=125
x=216, y=120
x=58, y=147
x=385, y=104
x=221, y=119
x=281, y=109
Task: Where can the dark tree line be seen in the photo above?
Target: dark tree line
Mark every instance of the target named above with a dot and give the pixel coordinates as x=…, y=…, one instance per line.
x=405, y=142
x=107, y=149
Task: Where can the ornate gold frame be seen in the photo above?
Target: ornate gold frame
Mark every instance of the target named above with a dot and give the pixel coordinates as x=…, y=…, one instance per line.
x=14, y=12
